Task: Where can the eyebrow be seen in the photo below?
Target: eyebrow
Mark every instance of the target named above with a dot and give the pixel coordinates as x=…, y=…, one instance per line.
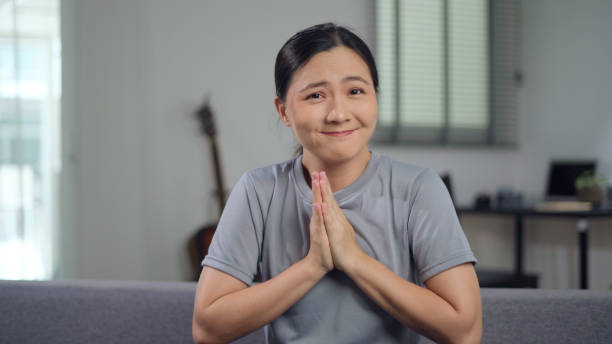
x=325, y=83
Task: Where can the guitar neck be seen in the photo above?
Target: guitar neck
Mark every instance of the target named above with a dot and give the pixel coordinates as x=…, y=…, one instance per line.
x=218, y=175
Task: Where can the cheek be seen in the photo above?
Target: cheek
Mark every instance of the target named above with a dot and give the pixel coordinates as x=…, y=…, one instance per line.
x=302, y=129
x=301, y=123
x=368, y=111
x=373, y=111
x=307, y=117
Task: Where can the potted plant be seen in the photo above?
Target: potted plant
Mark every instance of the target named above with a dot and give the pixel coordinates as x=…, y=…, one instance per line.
x=590, y=187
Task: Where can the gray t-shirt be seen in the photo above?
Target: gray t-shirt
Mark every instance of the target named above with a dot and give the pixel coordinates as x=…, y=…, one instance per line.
x=402, y=215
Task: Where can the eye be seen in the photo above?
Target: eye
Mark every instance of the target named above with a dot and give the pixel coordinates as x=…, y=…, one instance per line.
x=356, y=91
x=315, y=95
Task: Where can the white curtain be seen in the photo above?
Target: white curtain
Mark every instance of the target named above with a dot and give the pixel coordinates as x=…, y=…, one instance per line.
x=29, y=137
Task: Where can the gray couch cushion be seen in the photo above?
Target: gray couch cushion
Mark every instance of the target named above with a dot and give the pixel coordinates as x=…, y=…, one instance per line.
x=546, y=316
x=99, y=312
x=96, y=312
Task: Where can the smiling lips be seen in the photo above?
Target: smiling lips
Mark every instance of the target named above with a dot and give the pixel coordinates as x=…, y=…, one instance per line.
x=339, y=133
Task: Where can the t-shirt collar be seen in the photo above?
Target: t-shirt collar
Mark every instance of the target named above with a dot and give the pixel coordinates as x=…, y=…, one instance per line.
x=341, y=195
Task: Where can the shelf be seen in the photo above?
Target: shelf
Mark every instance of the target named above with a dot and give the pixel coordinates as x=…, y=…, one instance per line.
x=505, y=279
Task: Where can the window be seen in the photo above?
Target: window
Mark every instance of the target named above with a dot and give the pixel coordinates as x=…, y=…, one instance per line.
x=448, y=72
x=29, y=136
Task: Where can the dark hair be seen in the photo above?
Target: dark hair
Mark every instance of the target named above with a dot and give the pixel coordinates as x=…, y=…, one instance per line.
x=300, y=48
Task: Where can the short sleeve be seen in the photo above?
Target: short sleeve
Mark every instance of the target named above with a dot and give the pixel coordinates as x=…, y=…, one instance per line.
x=436, y=238
x=236, y=245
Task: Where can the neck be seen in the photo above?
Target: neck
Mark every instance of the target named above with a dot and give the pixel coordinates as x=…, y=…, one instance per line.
x=340, y=174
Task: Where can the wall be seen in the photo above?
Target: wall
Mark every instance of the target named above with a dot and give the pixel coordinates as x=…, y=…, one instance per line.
x=141, y=171
x=138, y=175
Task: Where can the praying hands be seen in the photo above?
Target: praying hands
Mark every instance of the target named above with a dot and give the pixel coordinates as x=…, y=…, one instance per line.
x=332, y=238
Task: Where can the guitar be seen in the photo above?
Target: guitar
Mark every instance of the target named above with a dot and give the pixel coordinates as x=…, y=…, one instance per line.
x=198, y=244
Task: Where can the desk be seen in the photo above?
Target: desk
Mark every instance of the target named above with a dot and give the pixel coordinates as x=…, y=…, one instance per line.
x=582, y=227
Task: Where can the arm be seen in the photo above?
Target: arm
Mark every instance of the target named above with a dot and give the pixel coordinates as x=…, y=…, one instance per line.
x=225, y=309
x=449, y=310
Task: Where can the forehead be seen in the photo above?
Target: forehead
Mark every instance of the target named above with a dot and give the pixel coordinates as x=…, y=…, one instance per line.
x=331, y=65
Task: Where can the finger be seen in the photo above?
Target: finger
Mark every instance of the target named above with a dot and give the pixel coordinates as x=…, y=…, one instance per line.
x=317, y=215
x=326, y=216
x=316, y=210
x=321, y=211
x=316, y=187
x=318, y=223
x=326, y=192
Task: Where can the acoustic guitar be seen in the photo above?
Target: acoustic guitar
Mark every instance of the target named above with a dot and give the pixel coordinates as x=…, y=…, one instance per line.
x=198, y=244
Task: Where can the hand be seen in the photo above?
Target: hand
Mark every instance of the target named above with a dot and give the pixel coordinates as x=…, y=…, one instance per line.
x=344, y=248
x=319, y=252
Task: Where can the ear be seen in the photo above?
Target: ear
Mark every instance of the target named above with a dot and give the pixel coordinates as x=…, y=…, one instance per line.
x=281, y=108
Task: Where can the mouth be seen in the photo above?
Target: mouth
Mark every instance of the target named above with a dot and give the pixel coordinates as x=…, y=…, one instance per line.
x=339, y=133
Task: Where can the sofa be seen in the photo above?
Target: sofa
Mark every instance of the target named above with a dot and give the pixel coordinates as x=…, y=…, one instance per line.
x=84, y=311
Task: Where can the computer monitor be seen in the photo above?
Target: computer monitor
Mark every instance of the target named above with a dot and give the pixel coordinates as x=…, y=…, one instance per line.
x=446, y=179
x=562, y=176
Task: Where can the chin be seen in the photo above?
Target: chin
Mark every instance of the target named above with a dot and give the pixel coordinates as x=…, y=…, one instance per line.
x=338, y=151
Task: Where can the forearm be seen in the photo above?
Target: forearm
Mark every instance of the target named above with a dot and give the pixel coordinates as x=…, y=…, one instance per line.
x=416, y=307
x=236, y=314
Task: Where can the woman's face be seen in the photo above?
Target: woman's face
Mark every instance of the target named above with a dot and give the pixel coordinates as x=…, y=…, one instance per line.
x=331, y=105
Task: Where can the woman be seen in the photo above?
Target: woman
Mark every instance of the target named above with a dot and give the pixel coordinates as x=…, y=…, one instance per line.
x=351, y=246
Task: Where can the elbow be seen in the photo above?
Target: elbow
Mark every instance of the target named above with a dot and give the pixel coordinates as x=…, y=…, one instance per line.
x=197, y=332
x=467, y=330
x=471, y=332
x=201, y=333
x=202, y=336
x=463, y=336
x=472, y=336
x=469, y=320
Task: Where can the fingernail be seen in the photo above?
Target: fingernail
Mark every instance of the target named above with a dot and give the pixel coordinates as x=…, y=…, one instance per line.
x=323, y=174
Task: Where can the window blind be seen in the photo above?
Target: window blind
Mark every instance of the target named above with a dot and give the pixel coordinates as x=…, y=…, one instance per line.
x=446, y=71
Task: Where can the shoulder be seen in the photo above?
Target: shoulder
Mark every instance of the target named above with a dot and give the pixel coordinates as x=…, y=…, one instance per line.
x=257, y=186
x=405, y=168
x=263, y=181
x=269, y=175
x=405, y=178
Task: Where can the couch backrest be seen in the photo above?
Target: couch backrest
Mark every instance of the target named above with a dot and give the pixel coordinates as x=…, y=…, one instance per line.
x=95, y=312
x=161, y=312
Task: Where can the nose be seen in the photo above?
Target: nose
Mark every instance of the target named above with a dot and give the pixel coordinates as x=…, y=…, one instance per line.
x=338, y=112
